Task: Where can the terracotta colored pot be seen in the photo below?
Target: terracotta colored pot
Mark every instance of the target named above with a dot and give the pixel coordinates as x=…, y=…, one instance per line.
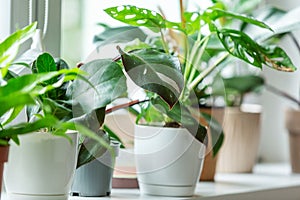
x=292, y=119
x=210, y=162
x=239, y=151
x=3, y=158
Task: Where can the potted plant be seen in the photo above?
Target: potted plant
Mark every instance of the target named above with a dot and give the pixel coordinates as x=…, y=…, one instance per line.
x=43, y=155
x=236, y=86
x=95, y=164
x=169, y=77
x=292, y=116
x=18, y=92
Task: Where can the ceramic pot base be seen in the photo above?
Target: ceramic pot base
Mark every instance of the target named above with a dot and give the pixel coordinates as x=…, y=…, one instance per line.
x=163, y=190
x=36, y=197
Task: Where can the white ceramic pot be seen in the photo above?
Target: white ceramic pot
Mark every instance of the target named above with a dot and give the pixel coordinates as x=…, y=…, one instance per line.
x=169, y=160
x=42, y=167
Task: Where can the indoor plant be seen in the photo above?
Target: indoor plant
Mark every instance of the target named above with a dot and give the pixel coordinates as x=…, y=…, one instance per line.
x=19, y=91
x=56, y=109
x=158, y=71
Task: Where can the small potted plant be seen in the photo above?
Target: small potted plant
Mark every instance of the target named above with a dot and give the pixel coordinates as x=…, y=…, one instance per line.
x=17, y=92
x=46, y=154
x=169, y=77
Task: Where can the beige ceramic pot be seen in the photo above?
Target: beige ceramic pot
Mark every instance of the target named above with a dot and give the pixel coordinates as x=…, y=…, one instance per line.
x=242, y=132
x=292, y=122
x=210, y=161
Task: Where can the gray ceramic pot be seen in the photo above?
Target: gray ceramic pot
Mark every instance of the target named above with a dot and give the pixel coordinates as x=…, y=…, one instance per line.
x=94, y=179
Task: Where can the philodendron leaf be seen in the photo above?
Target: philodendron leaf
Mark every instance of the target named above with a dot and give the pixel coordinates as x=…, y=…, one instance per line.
x=119, y=34
x=179, y=113
x=135, y=16
x=215, y=13
x=243, y=47
x=243, y=84
x=91, y=149
x=9, y=47
x=156, y=72
x=108, y=80
x=216, y=131
x=191, y=24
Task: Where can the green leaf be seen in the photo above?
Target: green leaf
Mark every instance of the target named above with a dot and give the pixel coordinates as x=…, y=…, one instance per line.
x=22, y=90
x=243, y=47
x=179, y=113
x=91, y=149
x=9, y=47
x=45, y=63
x=156, y=72
x=93, y=120
x=243, y=84
x=113, y=135
x=135, y=16
x=213, y=14
x=281, y=23
x=119, y=34
x=12, y=101
x=15, y=112
x=108, y=80
x=216, y=131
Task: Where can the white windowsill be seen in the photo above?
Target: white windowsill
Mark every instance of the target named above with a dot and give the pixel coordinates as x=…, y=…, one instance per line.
x=269, y=181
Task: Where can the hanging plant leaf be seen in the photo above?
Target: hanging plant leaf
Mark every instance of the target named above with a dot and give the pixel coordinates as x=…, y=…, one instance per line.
x=156, y=72
x=108, y=80
x=242, y=46
x=135, y=16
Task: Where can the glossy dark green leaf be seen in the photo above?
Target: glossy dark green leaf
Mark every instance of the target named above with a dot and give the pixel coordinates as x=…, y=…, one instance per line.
x=108, y=80
x=93, y=120
x=216, y=131
x=243, y=47
x=135, y=16
x=156, y=72
x=91, y=149
x=179, y=113
x=45, y=63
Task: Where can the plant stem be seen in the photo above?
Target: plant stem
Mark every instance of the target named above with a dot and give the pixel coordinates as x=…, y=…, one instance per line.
x=125, y=105
x=164, y=41
x=281, y=93
x=197, y=60
x=207, y=71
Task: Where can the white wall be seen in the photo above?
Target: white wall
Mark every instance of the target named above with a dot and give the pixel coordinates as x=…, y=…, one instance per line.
x=274, y=145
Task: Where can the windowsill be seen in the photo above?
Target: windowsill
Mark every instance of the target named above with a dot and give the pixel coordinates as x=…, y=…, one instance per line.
x=269, y=181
